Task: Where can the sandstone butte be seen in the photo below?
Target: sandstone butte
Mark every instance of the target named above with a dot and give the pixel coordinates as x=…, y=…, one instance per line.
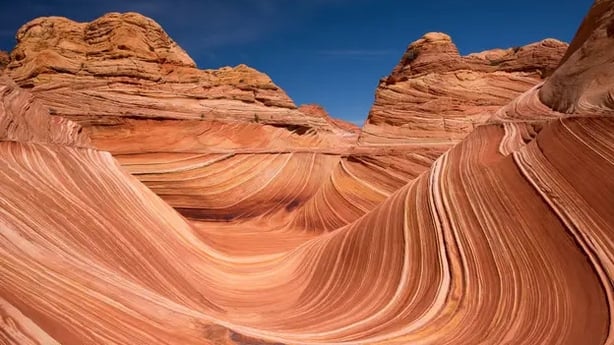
x=145, y=201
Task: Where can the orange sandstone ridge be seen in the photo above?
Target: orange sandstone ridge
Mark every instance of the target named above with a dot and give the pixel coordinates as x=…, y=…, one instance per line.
x=124, y=67
x=345, y=127
x=435, y=95
x=25, y=119
x=138, y=95
x=304, y=234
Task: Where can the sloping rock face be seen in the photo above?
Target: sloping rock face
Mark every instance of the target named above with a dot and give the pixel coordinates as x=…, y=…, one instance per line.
x=4, y=59
x=124, y=66
x=585, y=81
x=316, y=110
x=506, y=238
x=436, y=96
x=22, y=118
x=138, y=95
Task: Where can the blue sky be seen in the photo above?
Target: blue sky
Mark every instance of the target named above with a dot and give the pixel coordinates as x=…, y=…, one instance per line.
x=330, y=52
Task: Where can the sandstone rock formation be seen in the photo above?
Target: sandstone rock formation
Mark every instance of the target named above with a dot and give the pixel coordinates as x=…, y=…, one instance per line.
x=585, y=81
x=506, y=238
x=124, y=66
x=435, y=95
x=23, y=118
x=138, y=95
x=319, y=111
x=4, y=59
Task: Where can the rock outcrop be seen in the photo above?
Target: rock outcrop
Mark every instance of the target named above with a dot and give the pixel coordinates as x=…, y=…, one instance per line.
x=4, y=59
x=138, y=95
x=436, y=96
x=585, y=81
x=506, y=238
x=343, y=127
x=25, y=119
x=124, y=66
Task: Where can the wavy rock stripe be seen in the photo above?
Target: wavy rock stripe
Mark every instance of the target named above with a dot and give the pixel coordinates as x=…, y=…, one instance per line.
x=313, y=191
x=544, y=168
x=150, y=136
x=506, y=238
x=484, y=248
x=356, y=185
x=25, y=119
x=231, y=188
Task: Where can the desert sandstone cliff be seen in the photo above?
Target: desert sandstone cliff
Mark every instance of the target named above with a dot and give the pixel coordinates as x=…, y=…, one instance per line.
x=436, y=96
x=123, y=67
x=138, y=95
x=506, y=238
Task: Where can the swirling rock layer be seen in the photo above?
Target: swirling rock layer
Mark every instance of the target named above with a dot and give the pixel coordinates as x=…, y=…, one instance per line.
x=23, y=118
x=137, y=94
x=506, y=238
x=416, y=267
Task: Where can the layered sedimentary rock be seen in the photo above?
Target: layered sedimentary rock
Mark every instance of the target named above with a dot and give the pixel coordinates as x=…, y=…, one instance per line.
x=122, y=75
x=319, y=111
x=124, y=66
x=138, y=95
x=416, y=268
x=23, y=118
x=585, y=81
x=4, y=59
x=504, y=239
x=435, y=96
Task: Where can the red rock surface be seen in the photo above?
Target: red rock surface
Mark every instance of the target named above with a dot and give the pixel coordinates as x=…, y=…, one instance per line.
x=4, y=59
x=25, y=119
x=585, y=81
x=137, y=94
x=436, y=96
x=125, y=66
x=319, y=111
x=507, y=238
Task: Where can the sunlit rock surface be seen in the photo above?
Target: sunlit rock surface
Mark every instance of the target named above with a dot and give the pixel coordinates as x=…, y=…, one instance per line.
x=345, y=127
x=435, y=96
x=506, y=238
x=123, y=67
x=138, y=95
x=23, y=118
x=585, y=81
x=4, y=59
